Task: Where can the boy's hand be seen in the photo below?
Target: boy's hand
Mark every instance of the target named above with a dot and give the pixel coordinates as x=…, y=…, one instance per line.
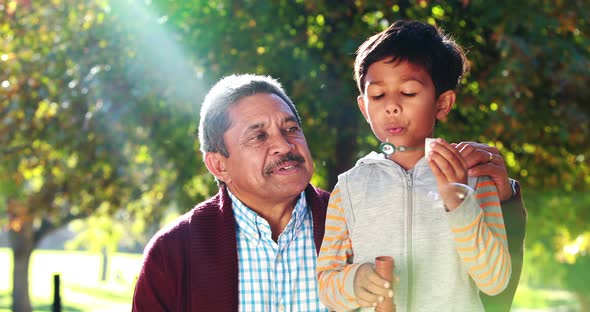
x=449, y=168
x=369, y=287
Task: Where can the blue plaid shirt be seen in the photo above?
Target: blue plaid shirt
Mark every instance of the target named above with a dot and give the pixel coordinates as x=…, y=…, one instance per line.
x=276, y=276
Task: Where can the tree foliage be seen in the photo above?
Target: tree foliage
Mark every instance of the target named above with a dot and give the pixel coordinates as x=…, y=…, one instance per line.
x=75, y=125
x=99, y=99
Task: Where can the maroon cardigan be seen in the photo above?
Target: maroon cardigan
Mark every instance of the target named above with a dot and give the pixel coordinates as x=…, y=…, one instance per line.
x=192, y=264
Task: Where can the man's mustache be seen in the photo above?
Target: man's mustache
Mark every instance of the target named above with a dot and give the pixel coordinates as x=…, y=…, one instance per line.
x=288, y=157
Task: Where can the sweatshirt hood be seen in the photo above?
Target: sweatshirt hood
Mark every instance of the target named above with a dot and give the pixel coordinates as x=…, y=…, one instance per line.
x=380, y=159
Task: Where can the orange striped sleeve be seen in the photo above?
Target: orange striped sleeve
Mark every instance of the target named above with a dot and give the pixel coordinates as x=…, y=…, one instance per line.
x=480, y=238
x=334, y=264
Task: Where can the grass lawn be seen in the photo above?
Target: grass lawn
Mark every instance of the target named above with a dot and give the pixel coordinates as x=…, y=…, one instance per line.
x=529, y=299
x=81, y=288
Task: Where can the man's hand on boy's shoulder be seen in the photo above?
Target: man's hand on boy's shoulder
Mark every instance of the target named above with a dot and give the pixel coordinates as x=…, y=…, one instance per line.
x=483, y=159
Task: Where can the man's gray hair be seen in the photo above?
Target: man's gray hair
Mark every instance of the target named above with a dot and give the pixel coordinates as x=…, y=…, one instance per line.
x=223, y=95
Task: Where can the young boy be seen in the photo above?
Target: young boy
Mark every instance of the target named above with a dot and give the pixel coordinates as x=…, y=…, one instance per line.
x=448, y=241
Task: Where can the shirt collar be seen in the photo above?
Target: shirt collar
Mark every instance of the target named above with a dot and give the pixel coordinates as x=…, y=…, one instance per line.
x=254, y=226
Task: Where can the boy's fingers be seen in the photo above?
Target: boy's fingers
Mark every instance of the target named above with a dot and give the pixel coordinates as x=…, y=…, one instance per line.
x=451, y=162
x=455, y=157
x=368, y=297
x=379, y=286
x=369, y=286
x=366, y=304
x=374, y=290
x=447, y=172
x=438, y=174
x=376, y=279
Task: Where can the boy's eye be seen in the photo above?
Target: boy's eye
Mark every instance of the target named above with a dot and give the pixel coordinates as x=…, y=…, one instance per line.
x=376, y=97
x=409, y=94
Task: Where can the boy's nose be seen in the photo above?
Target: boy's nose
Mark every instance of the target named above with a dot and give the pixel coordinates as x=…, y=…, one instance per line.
x=392, y=108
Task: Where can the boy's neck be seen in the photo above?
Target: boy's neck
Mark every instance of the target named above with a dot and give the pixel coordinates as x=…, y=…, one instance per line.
x=407, y=159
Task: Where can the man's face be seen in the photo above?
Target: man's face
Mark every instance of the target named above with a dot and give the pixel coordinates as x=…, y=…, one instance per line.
x=269, y=161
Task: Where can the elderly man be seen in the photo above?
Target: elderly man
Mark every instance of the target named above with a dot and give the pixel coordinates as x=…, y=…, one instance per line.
x=253, y=246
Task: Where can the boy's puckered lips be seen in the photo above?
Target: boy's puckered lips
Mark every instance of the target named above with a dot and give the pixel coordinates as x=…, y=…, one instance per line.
x=396, y=130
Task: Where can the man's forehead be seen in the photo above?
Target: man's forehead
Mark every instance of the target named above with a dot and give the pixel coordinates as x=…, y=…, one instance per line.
x=261, y=109
x=264, y=122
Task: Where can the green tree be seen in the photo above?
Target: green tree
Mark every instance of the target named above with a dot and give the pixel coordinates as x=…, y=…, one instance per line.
x=76, y=120
x=526, y=92
x=100, y=100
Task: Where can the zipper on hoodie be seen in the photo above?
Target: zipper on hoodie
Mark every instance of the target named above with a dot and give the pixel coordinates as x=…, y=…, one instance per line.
x=409, y=183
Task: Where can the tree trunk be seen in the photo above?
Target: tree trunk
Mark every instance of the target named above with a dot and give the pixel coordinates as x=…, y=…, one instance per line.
x=105, y=264
x=21, y=240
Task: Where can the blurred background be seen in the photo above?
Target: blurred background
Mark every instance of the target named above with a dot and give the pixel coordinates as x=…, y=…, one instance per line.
x=99, y=104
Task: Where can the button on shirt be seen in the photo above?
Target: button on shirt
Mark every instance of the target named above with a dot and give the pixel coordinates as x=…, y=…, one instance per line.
x=276, y=276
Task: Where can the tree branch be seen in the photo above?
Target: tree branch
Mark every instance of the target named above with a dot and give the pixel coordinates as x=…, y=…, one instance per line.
x=13, y=149
x=48, y=227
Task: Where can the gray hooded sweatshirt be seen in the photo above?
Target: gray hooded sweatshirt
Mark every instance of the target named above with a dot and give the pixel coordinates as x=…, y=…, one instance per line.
x=442, y=259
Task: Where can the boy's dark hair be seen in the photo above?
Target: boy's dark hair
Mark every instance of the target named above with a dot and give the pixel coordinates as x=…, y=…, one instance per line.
x=419, y=43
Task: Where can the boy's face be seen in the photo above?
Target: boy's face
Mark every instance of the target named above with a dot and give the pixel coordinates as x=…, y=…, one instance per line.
x=399, y=103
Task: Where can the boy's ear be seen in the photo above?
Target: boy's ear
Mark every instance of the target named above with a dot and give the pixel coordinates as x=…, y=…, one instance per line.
x=215, y=163
x=360, y=100
x=444, y=103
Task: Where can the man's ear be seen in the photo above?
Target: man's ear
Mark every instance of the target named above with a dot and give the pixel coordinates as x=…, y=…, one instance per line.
x=215, y=163
x=444, y=103
x=360, y=100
